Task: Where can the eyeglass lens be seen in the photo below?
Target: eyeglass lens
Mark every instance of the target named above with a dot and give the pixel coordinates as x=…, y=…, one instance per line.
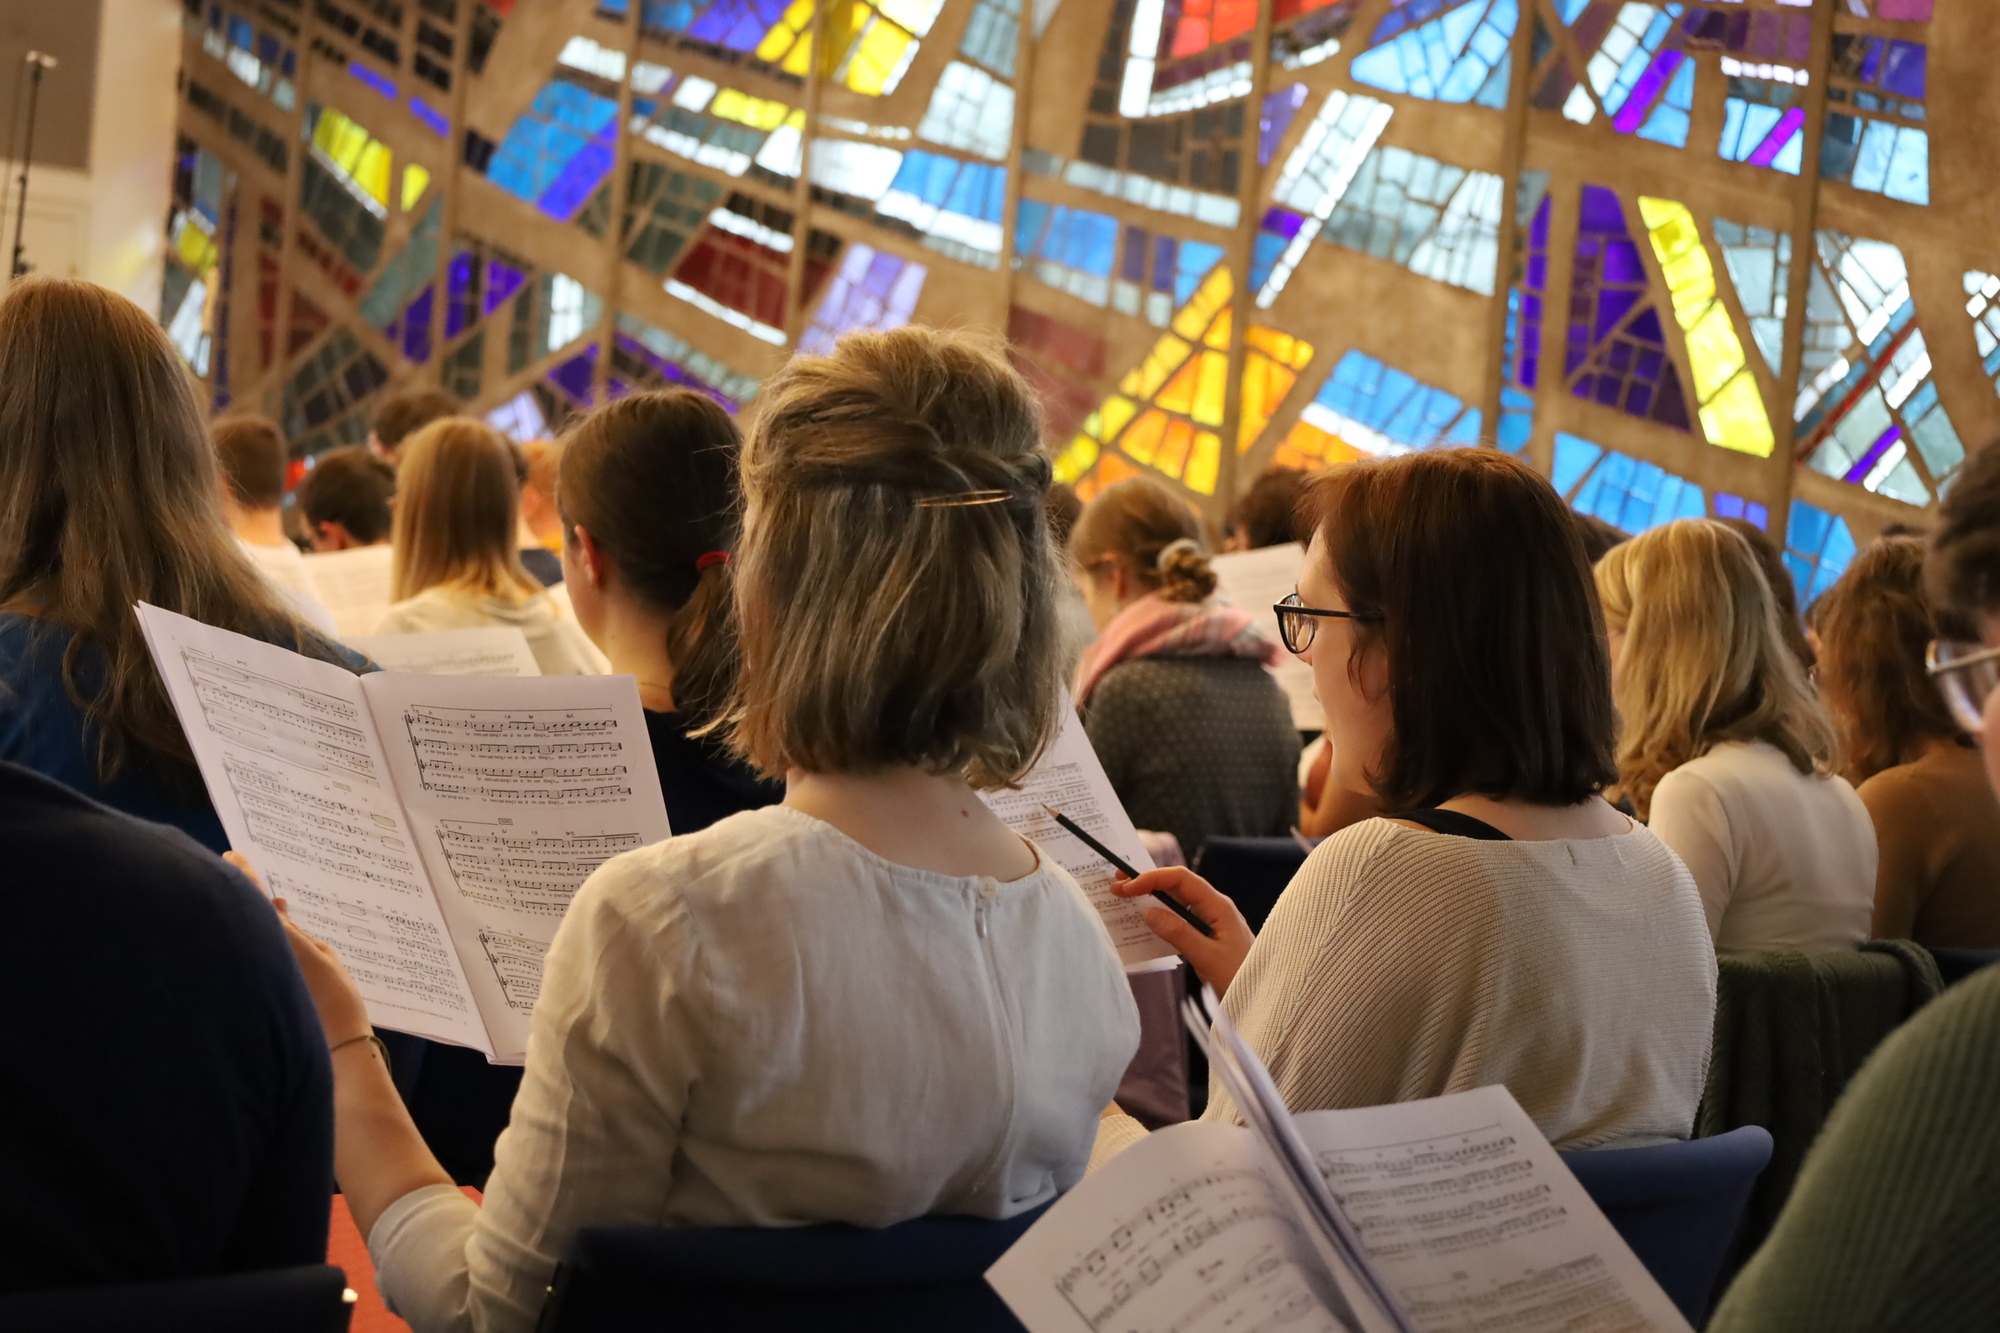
x=1294, y=627
x=1966, y=688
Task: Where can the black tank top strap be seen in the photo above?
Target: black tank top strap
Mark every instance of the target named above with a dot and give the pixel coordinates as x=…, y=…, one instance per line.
x=1453, y=823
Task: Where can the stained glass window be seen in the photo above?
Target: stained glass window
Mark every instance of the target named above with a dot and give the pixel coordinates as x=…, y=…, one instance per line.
x=970, y=109
x=1625, y=492
x=646, y=357
x=1875, y=136
x=1616, y=352
x=1441, y=50
x=1368, y=407
x=408, y=274
x=1317, y=173
x=1069, y=248
x=993, y=35
x=1732, y=410
x=558, y=153
x=1432, y=218
x=954, y=206
x=1760, y=267
x=871, y=290
x=1980, y=291
x=1157, y=273
x=868, y=46
x=1818, y=547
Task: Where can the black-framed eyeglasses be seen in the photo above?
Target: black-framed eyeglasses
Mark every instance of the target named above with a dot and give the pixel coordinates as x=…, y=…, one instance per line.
x=1296, y=623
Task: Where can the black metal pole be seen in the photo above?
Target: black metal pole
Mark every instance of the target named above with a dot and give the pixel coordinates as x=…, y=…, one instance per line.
x=35, y=58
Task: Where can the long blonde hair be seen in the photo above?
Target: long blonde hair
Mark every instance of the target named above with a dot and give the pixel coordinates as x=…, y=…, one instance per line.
x=458, y=505
x=109, y=495
x=1704, y=659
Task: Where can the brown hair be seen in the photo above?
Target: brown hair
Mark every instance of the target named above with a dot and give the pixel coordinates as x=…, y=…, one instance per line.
x=896, y=587
x=1704, y=661
x=1874, y=627
x=1963, y=568
x=1473, y=574
x=251, y=451
x=350, y=487
x=1779, y=579
x=402, y=415
x=457, y=513
x=1267, y=514
x=1598, y=536
x=653, y=479
x=109, y=496
x=1152, y=531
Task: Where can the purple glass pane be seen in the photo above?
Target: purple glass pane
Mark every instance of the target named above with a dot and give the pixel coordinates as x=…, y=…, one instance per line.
x=1871, y=59
x=1650, y=360
x=1646, y=328
x=1164, y=249
x=1608, y=387
x=1132, y=264
x=1283, y=222
x=882, y=274
x=1601, y=212
x=1538, y=271
x=1670, y=409
x=1538, y=231
x=1903, y=69
x=1621, y=262
x=1866, y=463
x=458, y=285
x=1645, y=90
x=581, y=175
x=417, y=328
x=1798, y=38
x=502, y=281
x=1279, y=108
x=1639, y=400
x=1909, y=11
x=1620, y=356
x=1781, y=134
x=1612, y=306
x=1584, y=387
x=573, y=375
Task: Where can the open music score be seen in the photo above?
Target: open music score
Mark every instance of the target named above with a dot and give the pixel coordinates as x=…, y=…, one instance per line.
x=1070, y=778
x=432, y=829
x=489, y=650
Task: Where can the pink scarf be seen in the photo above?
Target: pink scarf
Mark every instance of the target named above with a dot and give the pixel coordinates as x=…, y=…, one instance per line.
x=1156, y=627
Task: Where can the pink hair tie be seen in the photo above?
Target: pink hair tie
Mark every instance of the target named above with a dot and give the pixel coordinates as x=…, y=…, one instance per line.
x=711, y=558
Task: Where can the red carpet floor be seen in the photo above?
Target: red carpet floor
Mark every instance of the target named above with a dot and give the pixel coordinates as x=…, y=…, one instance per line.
x=346, y=1250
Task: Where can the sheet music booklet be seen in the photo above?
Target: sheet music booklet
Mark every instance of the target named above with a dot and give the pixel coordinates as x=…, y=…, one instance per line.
x=432, y=829
x=1433, y=1216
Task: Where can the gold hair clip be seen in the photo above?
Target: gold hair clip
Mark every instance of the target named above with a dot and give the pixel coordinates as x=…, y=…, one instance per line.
x=962, y=499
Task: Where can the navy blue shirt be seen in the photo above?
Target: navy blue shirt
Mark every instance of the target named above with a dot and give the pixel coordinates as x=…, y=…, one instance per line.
x=701, y=780
x=166, y=1103
x=42, y=728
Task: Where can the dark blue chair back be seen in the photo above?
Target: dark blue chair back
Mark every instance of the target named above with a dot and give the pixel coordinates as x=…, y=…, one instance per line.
x=1678, y=1205
x=1955, y=965
x=312, y=1299
x=921, y=1276
x=1251, y=871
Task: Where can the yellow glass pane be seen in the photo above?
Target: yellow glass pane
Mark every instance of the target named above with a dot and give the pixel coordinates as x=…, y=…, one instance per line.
x=1179, y=394
x=1280, y=347
x=350, y=141
x=779, y=39
x=1111, y=469
x=1218, y=332
x=1265, y=384
x=1143, y=439
x=1092, y=427
x=196, y=248
x=1207, y=461
x=759, y=113
x=1117, y=413
x=415, y=181
x=1075, y=460
x=1145, y=380
x=1172, y=454
x=371, y=173
x=1735, y=418
x=799, y=59
x=1193, y=319
x=1208, y=395
x=1714, y=353
x=875, y=57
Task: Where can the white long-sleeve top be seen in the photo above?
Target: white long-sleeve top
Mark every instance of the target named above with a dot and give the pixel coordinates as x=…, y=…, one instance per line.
x=766, y=1024
x=1402, y=963
x=1783, y=859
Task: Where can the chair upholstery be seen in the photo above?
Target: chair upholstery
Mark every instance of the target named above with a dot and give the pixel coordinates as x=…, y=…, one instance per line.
x=309, y=1299
x=1790, y=1030
x=1251, y=871
x=915, y=1277
x=1678, y=1205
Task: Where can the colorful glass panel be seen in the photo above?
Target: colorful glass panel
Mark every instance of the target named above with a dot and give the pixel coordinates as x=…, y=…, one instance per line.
x=1441, y=50
x=1616, y=350
x=1731, y=408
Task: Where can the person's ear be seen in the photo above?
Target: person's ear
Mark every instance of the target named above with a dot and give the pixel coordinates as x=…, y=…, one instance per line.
x=1372, y=672
x=596, y=568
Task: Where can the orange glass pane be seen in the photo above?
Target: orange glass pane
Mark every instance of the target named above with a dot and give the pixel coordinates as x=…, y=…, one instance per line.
x=1265, y=384
x=1143, y=439
x=1179, y=395
x=1144, y=380
x=1110, y=469
x=1207, y=460
x=1209, y=393
x=1280, y=347
x=1211, y=296
x=1307, y=447
x=1218, y=332
x=1173, y=451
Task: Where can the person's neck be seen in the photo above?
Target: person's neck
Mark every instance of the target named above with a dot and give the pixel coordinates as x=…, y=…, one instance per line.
x=634, y=638
x=1527, y=821
x=927, y=821
x=259, y=527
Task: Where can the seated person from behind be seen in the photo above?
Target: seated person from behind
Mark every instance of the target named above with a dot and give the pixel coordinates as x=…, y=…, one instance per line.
x=1506, y=925
x=1920, y=776
x=109, y=496
x=402, y=415
x=872, y=1003
x=650, y=503
x=346, y=500
x=540, y=462
x=1193, y=731
x=456, y=562
x=167, y=1113
x=251, y=454
x=1724, y=750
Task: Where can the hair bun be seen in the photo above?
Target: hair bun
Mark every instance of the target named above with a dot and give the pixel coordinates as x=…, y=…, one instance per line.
x=1184, y=572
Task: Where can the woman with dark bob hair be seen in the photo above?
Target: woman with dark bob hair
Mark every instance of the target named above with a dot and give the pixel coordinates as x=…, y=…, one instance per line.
x=1505, y=924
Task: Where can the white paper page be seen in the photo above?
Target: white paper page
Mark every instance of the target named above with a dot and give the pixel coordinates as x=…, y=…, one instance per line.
x=291, y=760
x=488, y=650
x=354, y=584
x=1070, y=778
x=516, y=791
x=1181, y=1233
x=1474, y=1221
x=1257, y=581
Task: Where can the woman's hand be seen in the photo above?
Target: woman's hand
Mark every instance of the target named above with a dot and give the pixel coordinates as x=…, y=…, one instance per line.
x=342, y=1012
x=1214, y=960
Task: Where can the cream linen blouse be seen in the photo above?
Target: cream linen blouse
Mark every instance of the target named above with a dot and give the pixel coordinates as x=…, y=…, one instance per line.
x=766, y=1024
x=1402, y=963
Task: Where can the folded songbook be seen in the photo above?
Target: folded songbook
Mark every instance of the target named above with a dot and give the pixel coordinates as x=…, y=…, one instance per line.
x=432, y=829
x=1451, y=1213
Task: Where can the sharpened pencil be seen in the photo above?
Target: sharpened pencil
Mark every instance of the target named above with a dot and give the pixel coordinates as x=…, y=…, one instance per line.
x=1118, y=864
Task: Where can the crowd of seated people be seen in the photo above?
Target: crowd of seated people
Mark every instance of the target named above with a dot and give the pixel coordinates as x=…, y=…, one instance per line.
x=1564, y=770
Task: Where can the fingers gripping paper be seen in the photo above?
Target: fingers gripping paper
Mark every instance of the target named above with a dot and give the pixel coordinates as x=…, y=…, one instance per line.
x=431, y=829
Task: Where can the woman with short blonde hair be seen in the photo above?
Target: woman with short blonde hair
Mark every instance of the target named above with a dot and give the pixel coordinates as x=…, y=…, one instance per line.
x=456, y=562
x=870, y=1003
x=1723, y=747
